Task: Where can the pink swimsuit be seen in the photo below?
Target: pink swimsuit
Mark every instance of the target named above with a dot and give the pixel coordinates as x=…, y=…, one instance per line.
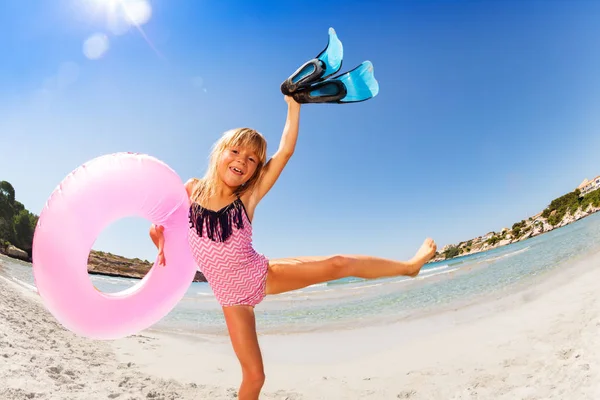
x=221, y=242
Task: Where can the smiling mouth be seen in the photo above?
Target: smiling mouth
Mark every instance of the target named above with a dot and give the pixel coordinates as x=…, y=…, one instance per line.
x=236, y=171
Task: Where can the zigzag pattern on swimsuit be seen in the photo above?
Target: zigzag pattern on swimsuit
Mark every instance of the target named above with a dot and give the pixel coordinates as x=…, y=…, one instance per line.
x=234, y=270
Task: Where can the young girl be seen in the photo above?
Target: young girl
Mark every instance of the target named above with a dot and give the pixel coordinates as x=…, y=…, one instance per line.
x=220, y=236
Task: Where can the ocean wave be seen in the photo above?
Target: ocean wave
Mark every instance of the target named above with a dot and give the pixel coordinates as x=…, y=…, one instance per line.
x=25, y=284
x=423, y=271
x=437, y=273
x=359, y=281
x=364, y=284
x=512, y=253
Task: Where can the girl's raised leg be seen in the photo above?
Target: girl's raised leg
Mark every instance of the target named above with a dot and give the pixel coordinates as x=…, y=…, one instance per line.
x=241, y=324
x=295, y=273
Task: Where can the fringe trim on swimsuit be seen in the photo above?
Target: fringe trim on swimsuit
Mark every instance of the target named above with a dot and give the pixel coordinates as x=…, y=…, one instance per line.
x=219, y=224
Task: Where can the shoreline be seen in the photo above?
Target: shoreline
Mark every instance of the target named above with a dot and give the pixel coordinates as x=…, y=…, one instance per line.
x=536, y=226
x=473, y=307
x=411, y=315
x=96, y=257
x=536, y=340
x=137, y=275
x=512, y=346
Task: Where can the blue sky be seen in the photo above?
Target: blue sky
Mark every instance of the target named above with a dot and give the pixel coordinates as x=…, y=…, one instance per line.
x=487, y=111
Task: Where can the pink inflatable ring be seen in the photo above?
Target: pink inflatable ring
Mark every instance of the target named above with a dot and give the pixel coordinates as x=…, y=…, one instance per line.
x=93, y=196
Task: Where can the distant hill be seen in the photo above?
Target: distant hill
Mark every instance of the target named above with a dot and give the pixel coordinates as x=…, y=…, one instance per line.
x=560, y=212
x=17, y=226
x=103, y=263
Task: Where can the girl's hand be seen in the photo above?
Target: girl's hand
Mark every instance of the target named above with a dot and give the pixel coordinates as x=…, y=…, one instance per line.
x=290, y=101
x=161, y=244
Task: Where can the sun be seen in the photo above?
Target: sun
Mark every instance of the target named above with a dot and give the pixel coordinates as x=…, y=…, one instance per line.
x=120, y=15
x=103, y=5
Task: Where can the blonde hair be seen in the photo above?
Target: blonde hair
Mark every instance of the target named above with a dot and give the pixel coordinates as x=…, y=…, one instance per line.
x=206, y=187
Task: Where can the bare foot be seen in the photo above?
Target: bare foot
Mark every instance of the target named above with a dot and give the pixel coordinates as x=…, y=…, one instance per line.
x=424, y=254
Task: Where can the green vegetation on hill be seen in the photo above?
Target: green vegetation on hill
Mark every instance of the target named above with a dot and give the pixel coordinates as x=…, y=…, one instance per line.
x=451, y=252
x=592, y=198
x=17, y=224
x=570, y=202
x=520, y=228
x=550, y=218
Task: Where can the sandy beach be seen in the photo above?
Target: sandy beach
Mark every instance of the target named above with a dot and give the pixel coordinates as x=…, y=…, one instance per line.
x=537, y=342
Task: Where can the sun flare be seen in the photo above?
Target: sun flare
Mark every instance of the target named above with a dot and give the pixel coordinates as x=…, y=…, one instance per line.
x=119, y=16
x=125, y=12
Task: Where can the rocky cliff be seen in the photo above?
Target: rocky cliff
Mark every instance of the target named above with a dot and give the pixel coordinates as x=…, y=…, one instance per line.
x=103, y=263
x=520, y=231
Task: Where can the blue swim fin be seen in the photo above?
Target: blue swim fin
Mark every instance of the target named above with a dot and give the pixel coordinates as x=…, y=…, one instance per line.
x=325, y=64
x=353, y=86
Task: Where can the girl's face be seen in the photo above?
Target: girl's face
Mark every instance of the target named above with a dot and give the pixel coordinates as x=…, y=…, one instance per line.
x=237, y=165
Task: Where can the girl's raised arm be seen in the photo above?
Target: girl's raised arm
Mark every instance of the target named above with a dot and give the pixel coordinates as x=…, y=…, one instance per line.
x=279, y=160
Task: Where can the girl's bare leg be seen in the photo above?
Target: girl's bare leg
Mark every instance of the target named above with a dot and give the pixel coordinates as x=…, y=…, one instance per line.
x=295, y=273
x=241, y=325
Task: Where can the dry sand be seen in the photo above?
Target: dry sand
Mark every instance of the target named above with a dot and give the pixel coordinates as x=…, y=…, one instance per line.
x=535, y=343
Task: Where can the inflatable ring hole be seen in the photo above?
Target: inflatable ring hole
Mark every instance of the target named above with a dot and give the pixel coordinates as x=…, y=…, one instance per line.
x=122, y=268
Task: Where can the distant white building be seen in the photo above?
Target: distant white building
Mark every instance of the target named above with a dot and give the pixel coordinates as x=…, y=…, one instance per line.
x=588, y=186
x=488, y=235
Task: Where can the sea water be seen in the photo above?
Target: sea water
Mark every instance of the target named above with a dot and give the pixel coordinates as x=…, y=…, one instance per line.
x=351, y=302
